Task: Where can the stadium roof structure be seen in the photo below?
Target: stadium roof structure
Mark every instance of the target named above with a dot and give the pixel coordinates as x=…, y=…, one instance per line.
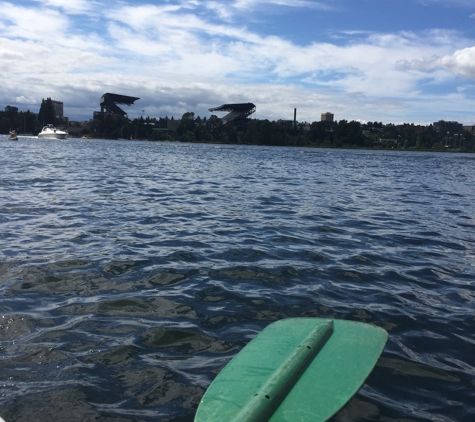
x=238, y=113
x=109, y=103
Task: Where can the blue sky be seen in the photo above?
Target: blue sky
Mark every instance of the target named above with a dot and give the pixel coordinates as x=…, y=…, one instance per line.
x=394, y=61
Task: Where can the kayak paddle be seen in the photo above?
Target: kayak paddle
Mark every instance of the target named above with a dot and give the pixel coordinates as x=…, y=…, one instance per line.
x=296, y=369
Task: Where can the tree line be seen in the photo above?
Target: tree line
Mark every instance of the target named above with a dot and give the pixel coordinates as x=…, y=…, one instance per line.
x=26, y=121
x=340, y=134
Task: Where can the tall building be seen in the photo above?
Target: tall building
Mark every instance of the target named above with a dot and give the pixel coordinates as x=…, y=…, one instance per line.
x=55, y=112
x=58, y=109
x=451, y=127
x=327, y=117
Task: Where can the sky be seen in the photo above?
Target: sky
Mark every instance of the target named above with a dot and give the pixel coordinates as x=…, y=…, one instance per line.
x=390, y=61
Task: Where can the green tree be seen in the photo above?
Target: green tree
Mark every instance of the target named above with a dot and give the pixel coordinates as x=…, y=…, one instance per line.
x=5, y=124
x=96, y=127
x=29, y=122
x=355, y=134
x=214, y=126
x=230, y=133
x=11, y=112
x=321, y=133
x=186, y=124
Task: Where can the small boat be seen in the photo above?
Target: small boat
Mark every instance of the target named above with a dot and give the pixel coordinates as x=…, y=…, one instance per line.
x=13, y=136
x=49, y=131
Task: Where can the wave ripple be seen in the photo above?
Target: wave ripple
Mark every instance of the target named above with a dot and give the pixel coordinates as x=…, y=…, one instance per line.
x=132, y=272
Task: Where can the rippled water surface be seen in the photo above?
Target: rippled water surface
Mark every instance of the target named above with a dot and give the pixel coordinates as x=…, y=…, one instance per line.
x=132, y=272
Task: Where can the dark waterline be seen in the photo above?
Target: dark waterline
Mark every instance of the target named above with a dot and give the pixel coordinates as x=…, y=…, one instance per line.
x=132, y=272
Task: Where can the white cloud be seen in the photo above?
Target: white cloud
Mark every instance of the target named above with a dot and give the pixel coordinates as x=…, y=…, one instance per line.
x=252, y=4
x=189, y=56
x=222, y=10
x=190, y=45
x=70, y=6
x=27, y=23
x=461, y=62
x=448, y=3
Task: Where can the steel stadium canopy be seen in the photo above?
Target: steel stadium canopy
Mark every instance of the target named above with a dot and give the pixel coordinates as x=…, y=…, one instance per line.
x=109, y=103
x=238, y=113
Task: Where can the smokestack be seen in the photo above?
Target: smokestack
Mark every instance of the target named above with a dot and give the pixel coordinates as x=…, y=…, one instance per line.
x=295, y=117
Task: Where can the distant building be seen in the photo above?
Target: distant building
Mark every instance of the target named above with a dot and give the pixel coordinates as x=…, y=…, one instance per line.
x=99, y=115
x=58, y=109
x=327, y=117
x=470, y=128
x=237, y=113
x=166, y=125
x=83, y=124
x=448, y=127
x=109, y=105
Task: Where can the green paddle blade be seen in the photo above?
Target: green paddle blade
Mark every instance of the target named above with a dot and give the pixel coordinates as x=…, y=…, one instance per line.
x=297, y=369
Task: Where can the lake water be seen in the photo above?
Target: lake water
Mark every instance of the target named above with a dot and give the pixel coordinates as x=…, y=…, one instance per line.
x=132, y=272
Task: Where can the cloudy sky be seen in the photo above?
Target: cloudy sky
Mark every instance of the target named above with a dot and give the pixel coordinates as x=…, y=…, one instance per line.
x=393, y=61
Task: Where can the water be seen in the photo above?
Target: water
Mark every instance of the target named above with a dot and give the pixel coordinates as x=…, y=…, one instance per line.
x=132, y=272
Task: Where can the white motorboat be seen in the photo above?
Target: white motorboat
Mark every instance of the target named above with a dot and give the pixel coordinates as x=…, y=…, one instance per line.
x=49, y=131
